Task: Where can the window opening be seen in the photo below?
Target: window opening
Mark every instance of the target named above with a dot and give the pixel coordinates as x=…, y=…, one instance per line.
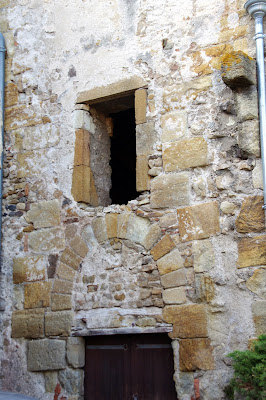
x=123, y=157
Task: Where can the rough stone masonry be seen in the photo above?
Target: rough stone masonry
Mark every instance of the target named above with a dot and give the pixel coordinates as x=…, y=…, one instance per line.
x=188, y=254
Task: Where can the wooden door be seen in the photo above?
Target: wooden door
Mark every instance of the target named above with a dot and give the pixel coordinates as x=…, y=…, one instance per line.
x=129, y=367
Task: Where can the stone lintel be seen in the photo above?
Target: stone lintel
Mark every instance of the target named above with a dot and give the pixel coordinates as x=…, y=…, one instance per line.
x=122, y=331
x=121, y=88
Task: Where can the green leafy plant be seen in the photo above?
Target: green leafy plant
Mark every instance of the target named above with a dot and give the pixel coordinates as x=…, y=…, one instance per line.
x=249, y=372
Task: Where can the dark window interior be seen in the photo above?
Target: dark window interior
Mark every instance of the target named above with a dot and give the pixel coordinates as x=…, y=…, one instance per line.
x=123, y=157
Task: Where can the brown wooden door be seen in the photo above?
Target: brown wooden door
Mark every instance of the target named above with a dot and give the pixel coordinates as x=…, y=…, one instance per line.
x=129, y=367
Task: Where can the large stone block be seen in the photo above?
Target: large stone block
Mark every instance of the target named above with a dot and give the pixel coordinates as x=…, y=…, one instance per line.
x=29, y=269
x=37, y=294
x=251, y=217
x=20, y=116
x=165, y=245
x=71, y=259
x=198, y=222
x=79, y=246
x=152, y=237
x=46, y=355
x=111, y=225
x=251, y=251
x=44, y=214
x=49, y=240
x=72, y=381
x=185, y=154
x=145, y=138
x=174, y=295
x=170, y=191
x=175, y=278
x=195, y=354
x=82, y=148
x=247, y=104
x=81, y=183
x=58, y=323
x=238, y=69
x=137, y=229
x=248, y=138
x=83, y=121
x=174, y=125
x=11, y=94
x=170, y=262
x=99, y=229
x=142, y=176
x=65, y=272
x=203, y=254
x=122, y=224
x=28, y=324
x=189, y=321
x=257, y=283
x=61, y=302
x=76, y=352
x=259, y=317
x=62, y=286
x=140, y=106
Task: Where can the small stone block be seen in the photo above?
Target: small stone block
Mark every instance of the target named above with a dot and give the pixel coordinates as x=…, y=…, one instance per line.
x=195, y=354
x=37, y=294
x=140, y=106
x=238, y=69
x=259, y=317
x=165, y=245
x=198, y=222
x=257, y=283
x=46, y=354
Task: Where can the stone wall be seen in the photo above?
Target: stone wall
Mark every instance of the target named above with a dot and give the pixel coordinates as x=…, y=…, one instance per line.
x=187, y=256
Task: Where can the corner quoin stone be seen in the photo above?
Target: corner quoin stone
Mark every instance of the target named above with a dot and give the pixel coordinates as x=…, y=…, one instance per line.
x=46, y=355
x=238, y=69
